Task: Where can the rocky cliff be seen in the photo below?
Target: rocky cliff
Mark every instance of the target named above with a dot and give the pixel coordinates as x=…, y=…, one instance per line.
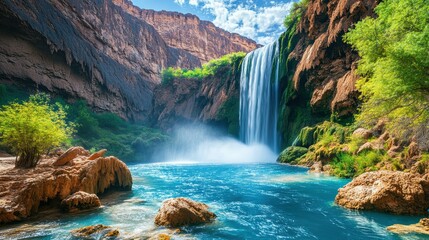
x=187, y=32
x=320, y=77
x=100, y=51
x=92, y=50
x=213, y=100
x=317, y=74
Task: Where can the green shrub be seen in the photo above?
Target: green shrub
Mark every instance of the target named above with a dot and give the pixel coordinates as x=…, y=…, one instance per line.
x=343, y=166
x=394, y=65
x=33, y=127
x=295, y=13
x=208, y=69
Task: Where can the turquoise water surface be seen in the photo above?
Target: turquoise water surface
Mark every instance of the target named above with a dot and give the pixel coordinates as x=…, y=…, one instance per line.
x=252, y=201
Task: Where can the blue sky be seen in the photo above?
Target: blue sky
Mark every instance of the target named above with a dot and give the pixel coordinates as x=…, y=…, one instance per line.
x=260, y=20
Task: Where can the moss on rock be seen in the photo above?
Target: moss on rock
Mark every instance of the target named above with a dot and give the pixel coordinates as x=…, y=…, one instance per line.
x=292, y=154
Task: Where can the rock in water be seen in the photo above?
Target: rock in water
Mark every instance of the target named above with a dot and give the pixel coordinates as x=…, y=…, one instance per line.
x=421, y=227
x=96, y=232
x=178, y=212
x=22, y=190
x=80, y=201
x=386, y=191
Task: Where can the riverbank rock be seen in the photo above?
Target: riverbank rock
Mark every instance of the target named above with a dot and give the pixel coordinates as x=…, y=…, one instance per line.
x=97, y=154
x=23, y=190
x=362, y=133
x=386, y=191
x=80, y=201
x=69, y=155
x=96, y=232
x=178, y=212
x=421, y=227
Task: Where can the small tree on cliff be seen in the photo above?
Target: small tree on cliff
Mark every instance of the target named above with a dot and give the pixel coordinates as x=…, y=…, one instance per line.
x=31, y=128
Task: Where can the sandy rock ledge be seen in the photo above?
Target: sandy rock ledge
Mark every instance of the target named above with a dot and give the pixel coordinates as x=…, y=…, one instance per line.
x=421, y=227
x=23, y=190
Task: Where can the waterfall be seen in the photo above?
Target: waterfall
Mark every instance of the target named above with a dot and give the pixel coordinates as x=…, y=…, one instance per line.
x=259, y=97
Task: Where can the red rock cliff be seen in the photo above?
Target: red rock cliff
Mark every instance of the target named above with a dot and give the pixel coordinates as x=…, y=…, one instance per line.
x=187, y=32
x=100, y=51
x=321, y=66
x=85, y=49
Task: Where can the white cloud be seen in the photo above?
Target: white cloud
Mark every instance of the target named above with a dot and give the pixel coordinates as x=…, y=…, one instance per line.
x=261, y=23
x=193, y=2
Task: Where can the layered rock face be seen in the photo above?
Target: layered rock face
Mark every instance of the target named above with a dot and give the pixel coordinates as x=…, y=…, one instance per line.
x=22, y=191
x=101, y=51
x=92, y=50
x=321, y=66
x=207, y=100
x=187, y=32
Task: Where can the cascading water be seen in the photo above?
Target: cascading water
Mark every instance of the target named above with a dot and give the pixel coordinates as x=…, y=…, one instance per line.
x=259, y=97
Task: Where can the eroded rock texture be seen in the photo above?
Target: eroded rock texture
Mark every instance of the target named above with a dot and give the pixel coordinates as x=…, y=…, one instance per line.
x=321, y=66
x=22, y=191
x=187, y=32
x=386, y=191
x=212, y=100
x=101, y=51
x=178, y=212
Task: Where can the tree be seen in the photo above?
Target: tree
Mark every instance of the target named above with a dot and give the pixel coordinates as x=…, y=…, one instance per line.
x=33, y=127
x=394, y=65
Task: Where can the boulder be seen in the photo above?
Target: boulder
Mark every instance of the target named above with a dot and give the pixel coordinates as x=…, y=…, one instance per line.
x=22, y=190
x=178, y=212
x=291, y=154
x=362, y=133
x=97, y=154
x=370, y=146
x=421, y=227
x=317, y=167
x=386, y=191
x=80, y=201
x=95, y=232
x=69, y=155
x=413, y=150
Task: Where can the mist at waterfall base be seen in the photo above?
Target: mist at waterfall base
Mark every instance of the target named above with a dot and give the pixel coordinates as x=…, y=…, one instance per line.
x=260, y=139
x=199, y=143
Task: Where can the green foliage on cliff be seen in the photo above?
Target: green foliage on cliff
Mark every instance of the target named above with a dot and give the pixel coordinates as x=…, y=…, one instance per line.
x=295, y=14
x=292, y=154
x=33, y=127
x=394, y=68
x=208, y=69
x=332, y=143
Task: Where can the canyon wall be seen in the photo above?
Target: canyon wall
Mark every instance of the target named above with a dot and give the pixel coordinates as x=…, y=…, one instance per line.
x=187, y=32
x=317, y=73
x=319, y=81
x=213, y=100
x=93, y=50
